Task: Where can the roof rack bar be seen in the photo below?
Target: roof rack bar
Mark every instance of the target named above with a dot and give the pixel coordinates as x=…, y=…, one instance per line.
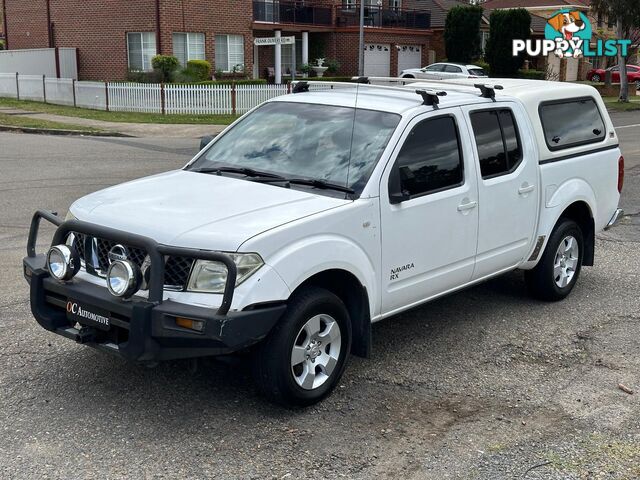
x=430, y=97
x=353, y=85
x=300, y=87
x=488, y=90
x=404, y=81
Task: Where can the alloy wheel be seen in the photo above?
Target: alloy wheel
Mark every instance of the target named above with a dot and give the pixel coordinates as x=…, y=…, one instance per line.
x=566, y=261
x=316, y=351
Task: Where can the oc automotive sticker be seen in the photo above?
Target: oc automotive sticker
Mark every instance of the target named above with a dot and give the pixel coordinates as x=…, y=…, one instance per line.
x=76, y=309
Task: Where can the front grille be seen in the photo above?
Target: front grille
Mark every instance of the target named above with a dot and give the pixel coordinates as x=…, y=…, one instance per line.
x=94, y=252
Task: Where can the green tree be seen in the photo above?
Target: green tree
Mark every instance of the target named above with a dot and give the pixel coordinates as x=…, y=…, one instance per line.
x=462, y=33
x=166, y=66
x=626, y=15
x=506, y=26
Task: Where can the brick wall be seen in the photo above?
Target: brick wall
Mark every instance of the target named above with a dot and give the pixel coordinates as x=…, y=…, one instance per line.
x=98, y=29
x=197, y=16
x=30, y=19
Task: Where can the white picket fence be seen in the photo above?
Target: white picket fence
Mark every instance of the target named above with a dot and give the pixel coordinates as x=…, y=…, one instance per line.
x=141, y=97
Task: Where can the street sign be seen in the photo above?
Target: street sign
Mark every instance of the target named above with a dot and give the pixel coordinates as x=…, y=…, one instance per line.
x=274, y=41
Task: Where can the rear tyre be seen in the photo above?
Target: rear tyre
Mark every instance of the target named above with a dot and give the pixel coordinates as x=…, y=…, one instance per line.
x=408, y=76
x=304, y=356
x=595, y=78
x=559, y=268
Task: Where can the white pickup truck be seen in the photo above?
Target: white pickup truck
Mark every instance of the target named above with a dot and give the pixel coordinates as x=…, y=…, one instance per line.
x=321, y=212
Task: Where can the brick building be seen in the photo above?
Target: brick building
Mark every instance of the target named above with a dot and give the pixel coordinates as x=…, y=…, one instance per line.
x=115, y=36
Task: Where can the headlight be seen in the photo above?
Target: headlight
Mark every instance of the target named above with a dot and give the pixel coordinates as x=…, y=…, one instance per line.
x=123, y=278
x=63, y=262
x=70, y=216
x=208, y=276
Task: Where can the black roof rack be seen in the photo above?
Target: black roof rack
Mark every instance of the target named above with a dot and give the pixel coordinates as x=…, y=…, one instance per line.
x=300, y=87
x=430, y=97
x=362, y=80
x=488, y=91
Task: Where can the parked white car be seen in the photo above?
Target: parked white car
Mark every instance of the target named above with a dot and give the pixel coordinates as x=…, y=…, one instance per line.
x=322, y=212
x=443, y=71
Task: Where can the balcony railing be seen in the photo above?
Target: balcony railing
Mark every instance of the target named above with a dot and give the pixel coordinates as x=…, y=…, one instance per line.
x=293, y=12
x=384, y=17
x=344, y=15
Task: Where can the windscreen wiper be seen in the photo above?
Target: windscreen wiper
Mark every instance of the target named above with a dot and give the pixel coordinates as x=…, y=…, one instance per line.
x=316, y=183
x=249, y=172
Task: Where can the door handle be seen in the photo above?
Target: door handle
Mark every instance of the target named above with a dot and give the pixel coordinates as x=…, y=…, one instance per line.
x=526, y=188
x=467, y=206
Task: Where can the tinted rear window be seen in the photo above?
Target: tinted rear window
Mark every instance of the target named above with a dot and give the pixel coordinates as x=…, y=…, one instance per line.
x=497, y=141
x=571, y=123
x=478, y=72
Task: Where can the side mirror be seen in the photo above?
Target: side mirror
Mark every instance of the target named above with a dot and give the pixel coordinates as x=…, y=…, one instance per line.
x=398, y=197
x=396, y=193
x=204, y=141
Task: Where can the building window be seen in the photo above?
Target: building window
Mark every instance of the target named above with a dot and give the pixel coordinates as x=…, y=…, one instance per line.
x=484, y=38
x=395, y=4
x=188, y=46
x=287, y=57
x=141, y=48
x=229, y=52
x=348, y=4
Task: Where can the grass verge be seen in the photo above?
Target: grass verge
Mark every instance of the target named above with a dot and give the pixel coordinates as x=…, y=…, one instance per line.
x=612, y=103
x=26, y=122
x=125, y=117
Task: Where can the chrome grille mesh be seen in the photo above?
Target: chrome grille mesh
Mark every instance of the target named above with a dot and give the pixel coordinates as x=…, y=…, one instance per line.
x=177, y=269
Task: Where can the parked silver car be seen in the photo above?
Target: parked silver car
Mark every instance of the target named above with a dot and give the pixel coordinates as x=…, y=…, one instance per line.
x=440, y=71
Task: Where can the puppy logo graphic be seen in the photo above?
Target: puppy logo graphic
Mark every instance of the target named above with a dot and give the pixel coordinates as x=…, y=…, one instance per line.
x=568, y=34
x=569, y=29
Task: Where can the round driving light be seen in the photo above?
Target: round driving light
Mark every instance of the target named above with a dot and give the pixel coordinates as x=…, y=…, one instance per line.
x=63, y=262
x=123, y=278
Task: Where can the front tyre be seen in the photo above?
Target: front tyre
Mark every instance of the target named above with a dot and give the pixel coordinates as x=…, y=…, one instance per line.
x=304, y=356
x=559, y=268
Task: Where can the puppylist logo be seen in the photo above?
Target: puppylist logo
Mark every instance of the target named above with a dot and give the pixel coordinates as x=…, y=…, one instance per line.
x=568, y=33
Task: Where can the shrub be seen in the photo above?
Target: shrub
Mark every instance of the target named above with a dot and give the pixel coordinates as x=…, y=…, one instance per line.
x=197, y=70
x=462, y=33
x=532, y=74
x=165, y=65
x=506, y=25
x=483, y=65
x=258, y=81
x=332, y=65
x=139, y=76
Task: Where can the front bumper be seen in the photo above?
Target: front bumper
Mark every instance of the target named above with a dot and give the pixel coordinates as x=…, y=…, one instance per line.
x=139, y=329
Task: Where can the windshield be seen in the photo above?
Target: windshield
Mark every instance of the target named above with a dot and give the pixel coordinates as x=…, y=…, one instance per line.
x=340, y=145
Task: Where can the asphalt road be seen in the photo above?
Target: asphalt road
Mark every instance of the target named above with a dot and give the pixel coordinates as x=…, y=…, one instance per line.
x=484, y=384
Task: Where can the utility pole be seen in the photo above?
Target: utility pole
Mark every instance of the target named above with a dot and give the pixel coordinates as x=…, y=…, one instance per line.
x=361, y=42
